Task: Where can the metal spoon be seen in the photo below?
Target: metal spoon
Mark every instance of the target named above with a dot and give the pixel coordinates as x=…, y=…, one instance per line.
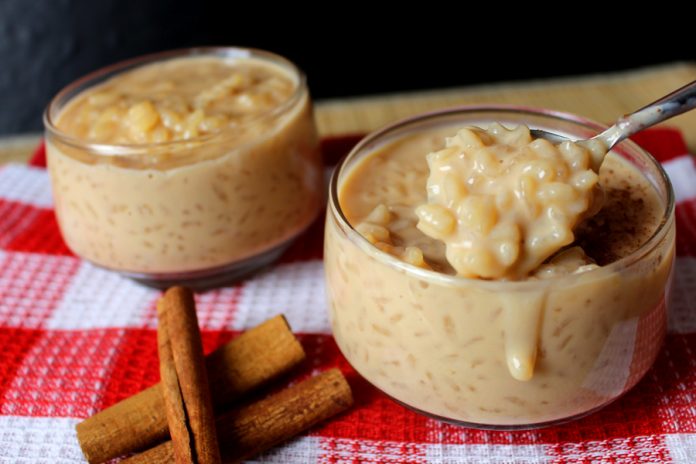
x=677, y=102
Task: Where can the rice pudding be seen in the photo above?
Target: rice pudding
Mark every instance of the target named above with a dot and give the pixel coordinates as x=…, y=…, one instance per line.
x=522, y=347
x=186, y=163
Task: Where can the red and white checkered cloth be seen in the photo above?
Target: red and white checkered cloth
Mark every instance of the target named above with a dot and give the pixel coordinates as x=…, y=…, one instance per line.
x=75, y=339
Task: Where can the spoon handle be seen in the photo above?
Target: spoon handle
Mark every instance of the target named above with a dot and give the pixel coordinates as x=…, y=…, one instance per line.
x=677, y=102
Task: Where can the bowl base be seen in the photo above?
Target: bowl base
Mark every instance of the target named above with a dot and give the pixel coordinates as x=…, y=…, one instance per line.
x=502, y=428
x=211, y=278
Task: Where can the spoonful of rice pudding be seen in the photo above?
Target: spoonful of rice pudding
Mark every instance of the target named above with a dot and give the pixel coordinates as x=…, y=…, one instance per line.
x=505, y=200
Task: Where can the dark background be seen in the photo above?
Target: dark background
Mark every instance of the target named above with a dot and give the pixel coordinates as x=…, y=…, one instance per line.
x=345, y=50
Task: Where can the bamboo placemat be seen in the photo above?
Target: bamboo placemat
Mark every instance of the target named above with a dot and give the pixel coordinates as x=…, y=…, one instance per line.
x=600, y=97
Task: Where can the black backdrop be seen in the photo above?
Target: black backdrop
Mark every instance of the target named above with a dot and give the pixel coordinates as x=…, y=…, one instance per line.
x=344, y=48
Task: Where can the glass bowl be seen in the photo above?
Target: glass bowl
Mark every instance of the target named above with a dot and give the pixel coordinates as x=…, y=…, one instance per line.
x=443, y=345
x=197, y=212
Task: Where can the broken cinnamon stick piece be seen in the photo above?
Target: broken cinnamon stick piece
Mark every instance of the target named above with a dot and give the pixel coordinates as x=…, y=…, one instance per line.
x=259, y=426
x=184, y=380
x=246, y=363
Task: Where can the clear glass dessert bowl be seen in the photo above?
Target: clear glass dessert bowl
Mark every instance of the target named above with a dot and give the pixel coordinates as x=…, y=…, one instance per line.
x=198, y=209
x=453, y=348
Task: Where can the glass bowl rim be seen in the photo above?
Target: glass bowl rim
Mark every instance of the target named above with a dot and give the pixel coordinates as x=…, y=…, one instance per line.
x=98, y=76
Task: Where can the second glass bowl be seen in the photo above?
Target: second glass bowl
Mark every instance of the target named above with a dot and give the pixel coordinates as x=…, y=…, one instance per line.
x=197, y=211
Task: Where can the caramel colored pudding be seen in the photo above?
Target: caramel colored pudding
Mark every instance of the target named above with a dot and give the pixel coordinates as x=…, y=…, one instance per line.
x=565, y=337
x=185, y=164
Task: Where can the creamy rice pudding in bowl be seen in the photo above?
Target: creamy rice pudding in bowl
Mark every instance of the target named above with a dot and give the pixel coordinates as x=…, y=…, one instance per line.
x=490, y=280
x=192, y=166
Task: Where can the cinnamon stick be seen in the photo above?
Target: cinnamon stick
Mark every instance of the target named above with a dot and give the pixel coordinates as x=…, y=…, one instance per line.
x=259, y=426
x=173, y=398
x=249, y=361
x=184, y=380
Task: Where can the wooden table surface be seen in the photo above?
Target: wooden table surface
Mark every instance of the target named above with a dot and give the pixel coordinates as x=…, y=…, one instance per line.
x=600, y=97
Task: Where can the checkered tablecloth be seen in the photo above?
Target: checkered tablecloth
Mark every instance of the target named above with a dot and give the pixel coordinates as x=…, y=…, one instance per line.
x=75, y=338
